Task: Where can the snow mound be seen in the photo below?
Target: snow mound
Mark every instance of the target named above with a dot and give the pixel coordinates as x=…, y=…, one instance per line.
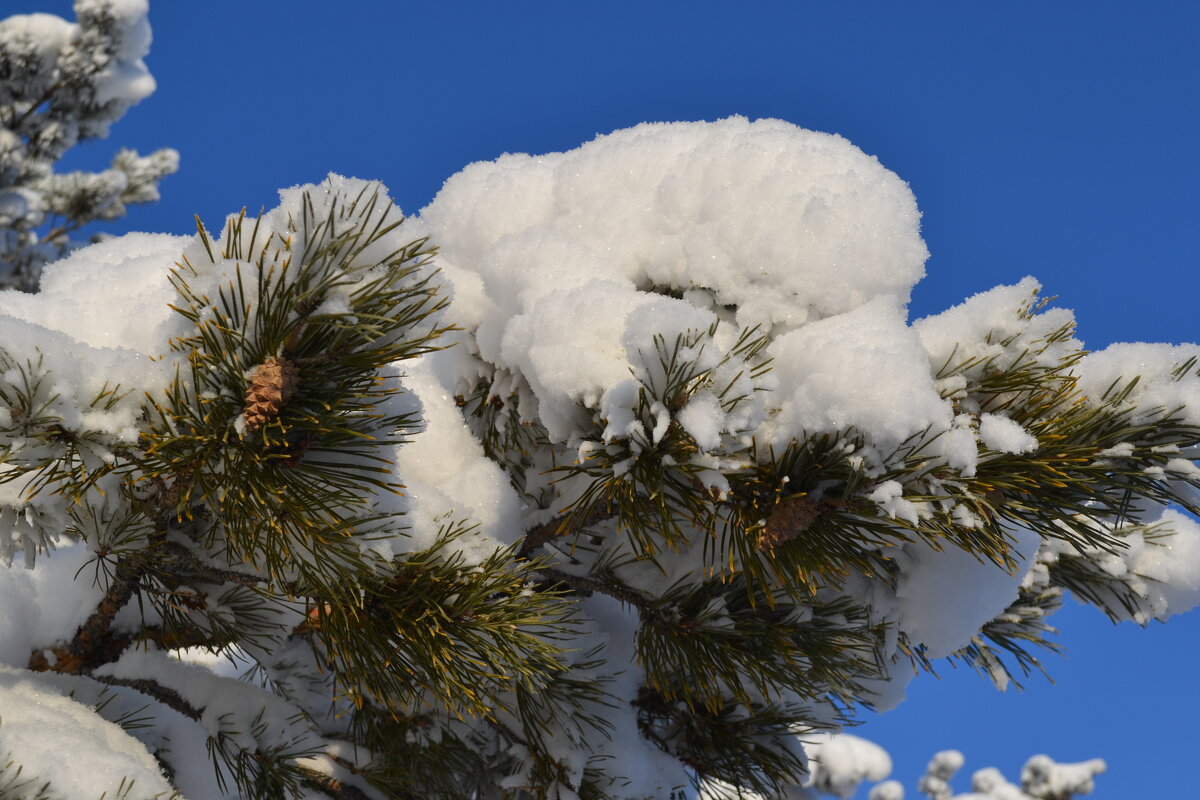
x=87, y=756
x=947, y=595
x=782, y=222
x=562, y=266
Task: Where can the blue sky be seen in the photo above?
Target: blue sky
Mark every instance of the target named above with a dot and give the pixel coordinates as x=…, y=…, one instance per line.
x=1052, y=139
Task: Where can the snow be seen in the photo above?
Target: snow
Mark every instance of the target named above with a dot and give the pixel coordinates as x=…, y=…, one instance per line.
x=99, y=325
x=114, y=294
x=839, y=763
x=945, y=596
x=863, y=369
x=551, y=257
x=18, y=598
x=125, y=82
x=47, y=34
x=1005, y=435
x=58, y=739
x=448, y=479
x=941, y=768
x=644, y=771
x=703, y=419
x=124, y=79
x=989, y=329
x=1167, y=567
x=45, y=605
x=80, y=373
x=130, y=17
x=889, y=497
x=228, y=707
x=1042, y=777
x=570, y=347
x=1111, y=369
x=770, y=217
x=888, y=790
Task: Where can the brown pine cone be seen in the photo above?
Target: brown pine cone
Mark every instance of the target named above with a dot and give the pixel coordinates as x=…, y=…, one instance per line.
x=791, y=517
x=272, y=385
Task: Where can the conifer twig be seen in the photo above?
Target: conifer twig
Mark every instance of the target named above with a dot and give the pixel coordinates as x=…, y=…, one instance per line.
x=207, y=573
x=95, y=643
x=333, y=787
x=562, y=525
x=588, y=585
x=168, y=697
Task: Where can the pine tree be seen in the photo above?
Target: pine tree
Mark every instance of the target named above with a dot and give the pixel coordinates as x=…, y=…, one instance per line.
x=61, y=84
x=442, y=574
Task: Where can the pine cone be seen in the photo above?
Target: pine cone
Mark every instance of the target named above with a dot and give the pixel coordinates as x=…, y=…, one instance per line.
x=271, y=387
x=791, y=517
x=169, y=499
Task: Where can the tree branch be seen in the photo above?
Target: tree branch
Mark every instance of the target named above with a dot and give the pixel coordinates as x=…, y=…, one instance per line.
x=94, y=643
x=207, y=573
x=333, y=787
x=45, y=98
x=168, y=697
x=562, y=525
x=585, y=584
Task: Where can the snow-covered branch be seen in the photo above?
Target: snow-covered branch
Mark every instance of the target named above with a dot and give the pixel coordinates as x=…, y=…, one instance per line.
x=62, y=83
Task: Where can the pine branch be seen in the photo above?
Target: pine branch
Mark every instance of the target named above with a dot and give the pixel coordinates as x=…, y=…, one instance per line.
x=95, y=643
x=196, y=570
x=333, y=787
x=562, y=526
x=35, y=105
x=168, y=697
x=586, y=585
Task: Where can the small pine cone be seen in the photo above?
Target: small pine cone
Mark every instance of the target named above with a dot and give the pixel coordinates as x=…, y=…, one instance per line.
x=272, y=385
x=791, y=517
x=170, y=496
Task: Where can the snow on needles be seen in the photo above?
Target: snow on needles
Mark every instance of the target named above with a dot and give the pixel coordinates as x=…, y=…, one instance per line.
x=122, y=81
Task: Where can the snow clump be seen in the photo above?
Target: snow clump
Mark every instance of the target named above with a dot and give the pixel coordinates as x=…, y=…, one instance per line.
x=565, y=266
